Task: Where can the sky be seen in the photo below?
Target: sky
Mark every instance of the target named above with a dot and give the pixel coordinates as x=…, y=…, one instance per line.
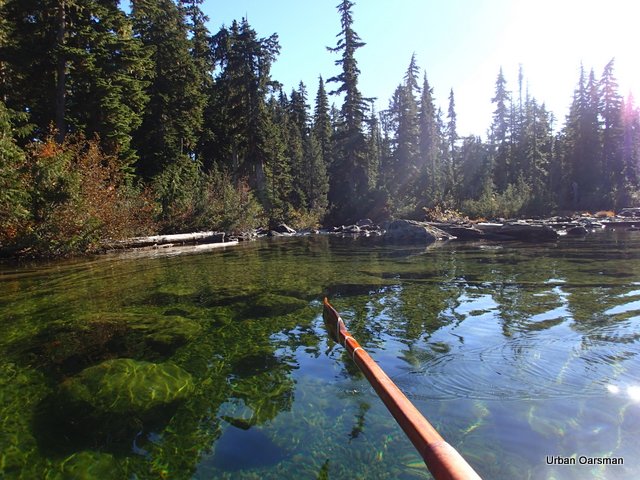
x=460, y=44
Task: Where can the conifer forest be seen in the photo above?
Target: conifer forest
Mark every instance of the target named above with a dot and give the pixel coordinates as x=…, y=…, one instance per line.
x=118, y=122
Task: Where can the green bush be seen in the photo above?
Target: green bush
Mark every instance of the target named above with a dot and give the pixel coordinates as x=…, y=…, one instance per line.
x=75, y=197
x=509, y=203
x=14, y=196
x=227, y=205
x=192, y=200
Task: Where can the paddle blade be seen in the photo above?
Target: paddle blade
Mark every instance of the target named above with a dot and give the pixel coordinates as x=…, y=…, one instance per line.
x=331, y=320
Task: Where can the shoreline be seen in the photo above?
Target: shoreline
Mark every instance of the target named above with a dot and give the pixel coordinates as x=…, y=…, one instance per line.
x=500, y=230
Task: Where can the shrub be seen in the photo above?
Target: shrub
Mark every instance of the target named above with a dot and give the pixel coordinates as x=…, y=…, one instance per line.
x=227, y=205
x=14, y=197
x=604, y=214
x=192, y=200
x=300, y=219
x=77, y=197
x=507, y=204
x=177, y=193
x=442, y=214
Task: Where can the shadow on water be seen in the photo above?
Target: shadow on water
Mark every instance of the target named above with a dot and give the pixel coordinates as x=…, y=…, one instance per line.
x=242, y=449
x=62, y=426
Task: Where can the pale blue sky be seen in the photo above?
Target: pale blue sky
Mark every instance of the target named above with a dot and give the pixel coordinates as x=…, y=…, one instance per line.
x=460, y=43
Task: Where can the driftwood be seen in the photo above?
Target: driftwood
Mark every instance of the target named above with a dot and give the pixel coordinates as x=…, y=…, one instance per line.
x=178, y=239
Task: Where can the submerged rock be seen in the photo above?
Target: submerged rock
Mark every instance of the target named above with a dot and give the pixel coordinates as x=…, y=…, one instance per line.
x=66, y=349
x=126, y=385
x=165, y=334
x=88, y=464
x=271, y=305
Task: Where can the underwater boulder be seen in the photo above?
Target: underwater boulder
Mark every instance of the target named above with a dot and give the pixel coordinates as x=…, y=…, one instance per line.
x=272, y=305
x=126, y=385
x=166, y=334
x=88, y=464
x=66, y=349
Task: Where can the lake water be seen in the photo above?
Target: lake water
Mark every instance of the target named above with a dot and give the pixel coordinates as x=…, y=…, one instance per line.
x=217, y=364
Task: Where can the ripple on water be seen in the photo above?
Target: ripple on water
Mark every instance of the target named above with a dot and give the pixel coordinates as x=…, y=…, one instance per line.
x=524, y=368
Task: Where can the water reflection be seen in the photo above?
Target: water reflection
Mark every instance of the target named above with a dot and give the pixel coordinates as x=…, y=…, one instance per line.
x=513, y=351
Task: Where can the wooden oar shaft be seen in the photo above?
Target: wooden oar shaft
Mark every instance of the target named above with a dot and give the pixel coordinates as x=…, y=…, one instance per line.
x=442, y=460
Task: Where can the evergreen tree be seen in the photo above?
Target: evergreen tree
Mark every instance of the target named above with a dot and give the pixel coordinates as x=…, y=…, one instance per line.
x=475, y=167
x=200, y=41
x=304, y=154
x=631, y=145
x=374, y=144
x=238, y=113
x=610, y=109
x=278, y=182
x=316, y=180
x=581, y=147
x=350, y=170
x=299, y=109
x=29, y=59
x=203, y=57
x=322, y=127
x=386, y=170
x=429, y=142
x=109, y=70
x=4, y=38
x=535, y=160
x=452, y=167
x=500, y=132
x=291, y=120
x=405, y=112
x=14, y=197
x=75, y=64
x=174, y=116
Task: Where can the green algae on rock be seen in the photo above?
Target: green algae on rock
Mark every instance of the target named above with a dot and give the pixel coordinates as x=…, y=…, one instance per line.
x=69, y=347
x=86, y=465
x=126, y=385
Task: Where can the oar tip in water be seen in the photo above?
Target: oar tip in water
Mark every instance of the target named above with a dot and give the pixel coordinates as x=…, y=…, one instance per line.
x=444, y=462
x=331, y=320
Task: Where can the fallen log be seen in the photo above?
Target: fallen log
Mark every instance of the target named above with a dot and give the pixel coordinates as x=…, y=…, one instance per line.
x=181, y=238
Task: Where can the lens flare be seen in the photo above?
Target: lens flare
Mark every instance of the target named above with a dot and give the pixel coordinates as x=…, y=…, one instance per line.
x=613, y=389
x=634, y=393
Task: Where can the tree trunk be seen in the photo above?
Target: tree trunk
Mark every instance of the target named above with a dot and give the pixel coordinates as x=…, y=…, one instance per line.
x=61, y=72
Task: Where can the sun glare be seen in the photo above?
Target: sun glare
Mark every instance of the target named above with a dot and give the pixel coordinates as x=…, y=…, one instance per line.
x=613, y=389
x=551, y=39
x=634, y=393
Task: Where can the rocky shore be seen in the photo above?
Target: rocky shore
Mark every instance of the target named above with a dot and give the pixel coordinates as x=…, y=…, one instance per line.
x=412, y=231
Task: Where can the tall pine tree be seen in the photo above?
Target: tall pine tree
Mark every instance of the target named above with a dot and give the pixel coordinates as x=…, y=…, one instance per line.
x=173, y=119
x=452, y=167
x=322, y=127
x=500, y=134
x=241, y=122
x=429, y=141
x=75, y=64
x=350, y=170
x=610, y=109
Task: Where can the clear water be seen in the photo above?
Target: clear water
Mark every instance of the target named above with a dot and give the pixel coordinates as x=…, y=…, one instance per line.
x=514, y=352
